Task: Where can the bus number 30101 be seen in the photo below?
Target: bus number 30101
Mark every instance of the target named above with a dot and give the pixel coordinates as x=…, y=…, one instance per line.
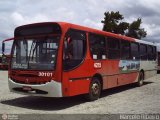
x=46, y=74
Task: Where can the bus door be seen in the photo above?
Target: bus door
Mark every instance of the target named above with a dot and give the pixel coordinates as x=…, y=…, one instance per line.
x=74, y=65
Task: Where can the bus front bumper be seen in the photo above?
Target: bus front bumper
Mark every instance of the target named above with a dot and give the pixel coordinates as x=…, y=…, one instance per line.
x=49, y=89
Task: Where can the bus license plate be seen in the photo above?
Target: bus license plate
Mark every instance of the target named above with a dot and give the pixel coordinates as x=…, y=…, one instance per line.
x=26, y=88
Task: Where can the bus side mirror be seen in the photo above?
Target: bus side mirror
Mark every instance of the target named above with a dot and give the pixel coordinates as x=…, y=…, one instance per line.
x=3, y=48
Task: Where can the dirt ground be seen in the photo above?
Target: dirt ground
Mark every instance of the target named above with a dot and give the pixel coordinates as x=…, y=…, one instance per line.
x=126, y=99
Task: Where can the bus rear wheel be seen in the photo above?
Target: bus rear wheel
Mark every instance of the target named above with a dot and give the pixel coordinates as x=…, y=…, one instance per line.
x=140, y=79
x=94, y=89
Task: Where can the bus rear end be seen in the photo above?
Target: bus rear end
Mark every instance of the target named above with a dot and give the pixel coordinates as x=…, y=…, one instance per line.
x=5, y=62
x=34, y=68
x=6, y=51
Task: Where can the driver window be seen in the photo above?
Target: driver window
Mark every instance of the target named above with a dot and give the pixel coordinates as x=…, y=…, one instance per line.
x=74, y=48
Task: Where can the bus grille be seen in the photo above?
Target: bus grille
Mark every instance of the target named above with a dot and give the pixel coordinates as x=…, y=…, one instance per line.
x=29, y=82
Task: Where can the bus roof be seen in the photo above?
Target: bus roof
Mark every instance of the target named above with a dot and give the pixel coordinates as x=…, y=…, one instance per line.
x=145, y=42
x=92, y=30
x=106, y=33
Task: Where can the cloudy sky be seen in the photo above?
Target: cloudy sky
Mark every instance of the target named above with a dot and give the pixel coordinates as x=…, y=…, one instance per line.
x=83, y=12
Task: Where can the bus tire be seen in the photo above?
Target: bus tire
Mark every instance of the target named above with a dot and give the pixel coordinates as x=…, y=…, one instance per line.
x=94, y=89
x=140, y=79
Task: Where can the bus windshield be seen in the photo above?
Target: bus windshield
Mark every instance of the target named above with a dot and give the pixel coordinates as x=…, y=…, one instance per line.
x=35, y=53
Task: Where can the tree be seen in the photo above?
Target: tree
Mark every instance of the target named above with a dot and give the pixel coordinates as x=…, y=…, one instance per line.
x=113, y=23
x=135, y=31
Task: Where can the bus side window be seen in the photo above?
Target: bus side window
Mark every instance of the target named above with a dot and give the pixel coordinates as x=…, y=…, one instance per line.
x=125, y=49
x=135, y=51
x=97, y=46
x=150, y=52
x=143, y=52
x=74, y=48
x=154, y=53
x=113, y=48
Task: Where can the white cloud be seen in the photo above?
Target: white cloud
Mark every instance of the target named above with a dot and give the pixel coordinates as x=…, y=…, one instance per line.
x=92, y=24
x=19, y=19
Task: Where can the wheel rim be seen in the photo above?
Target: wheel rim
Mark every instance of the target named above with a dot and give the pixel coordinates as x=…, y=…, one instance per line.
x=95, y=89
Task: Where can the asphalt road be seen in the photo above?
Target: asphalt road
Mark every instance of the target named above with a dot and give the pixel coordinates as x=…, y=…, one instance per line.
x=126, y=99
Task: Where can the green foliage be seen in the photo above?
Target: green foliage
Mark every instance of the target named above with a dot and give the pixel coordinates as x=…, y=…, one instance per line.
x=113, y=23
x=135, y=30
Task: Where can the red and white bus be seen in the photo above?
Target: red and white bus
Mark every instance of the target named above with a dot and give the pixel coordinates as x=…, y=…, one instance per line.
x=6, y=53
x=58, y=59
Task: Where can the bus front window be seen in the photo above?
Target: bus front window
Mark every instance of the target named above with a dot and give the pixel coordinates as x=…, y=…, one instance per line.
x=35, y=54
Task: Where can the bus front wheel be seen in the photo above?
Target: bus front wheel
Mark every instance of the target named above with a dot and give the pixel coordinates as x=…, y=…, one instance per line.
x=94, y=89
x=140, y=79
